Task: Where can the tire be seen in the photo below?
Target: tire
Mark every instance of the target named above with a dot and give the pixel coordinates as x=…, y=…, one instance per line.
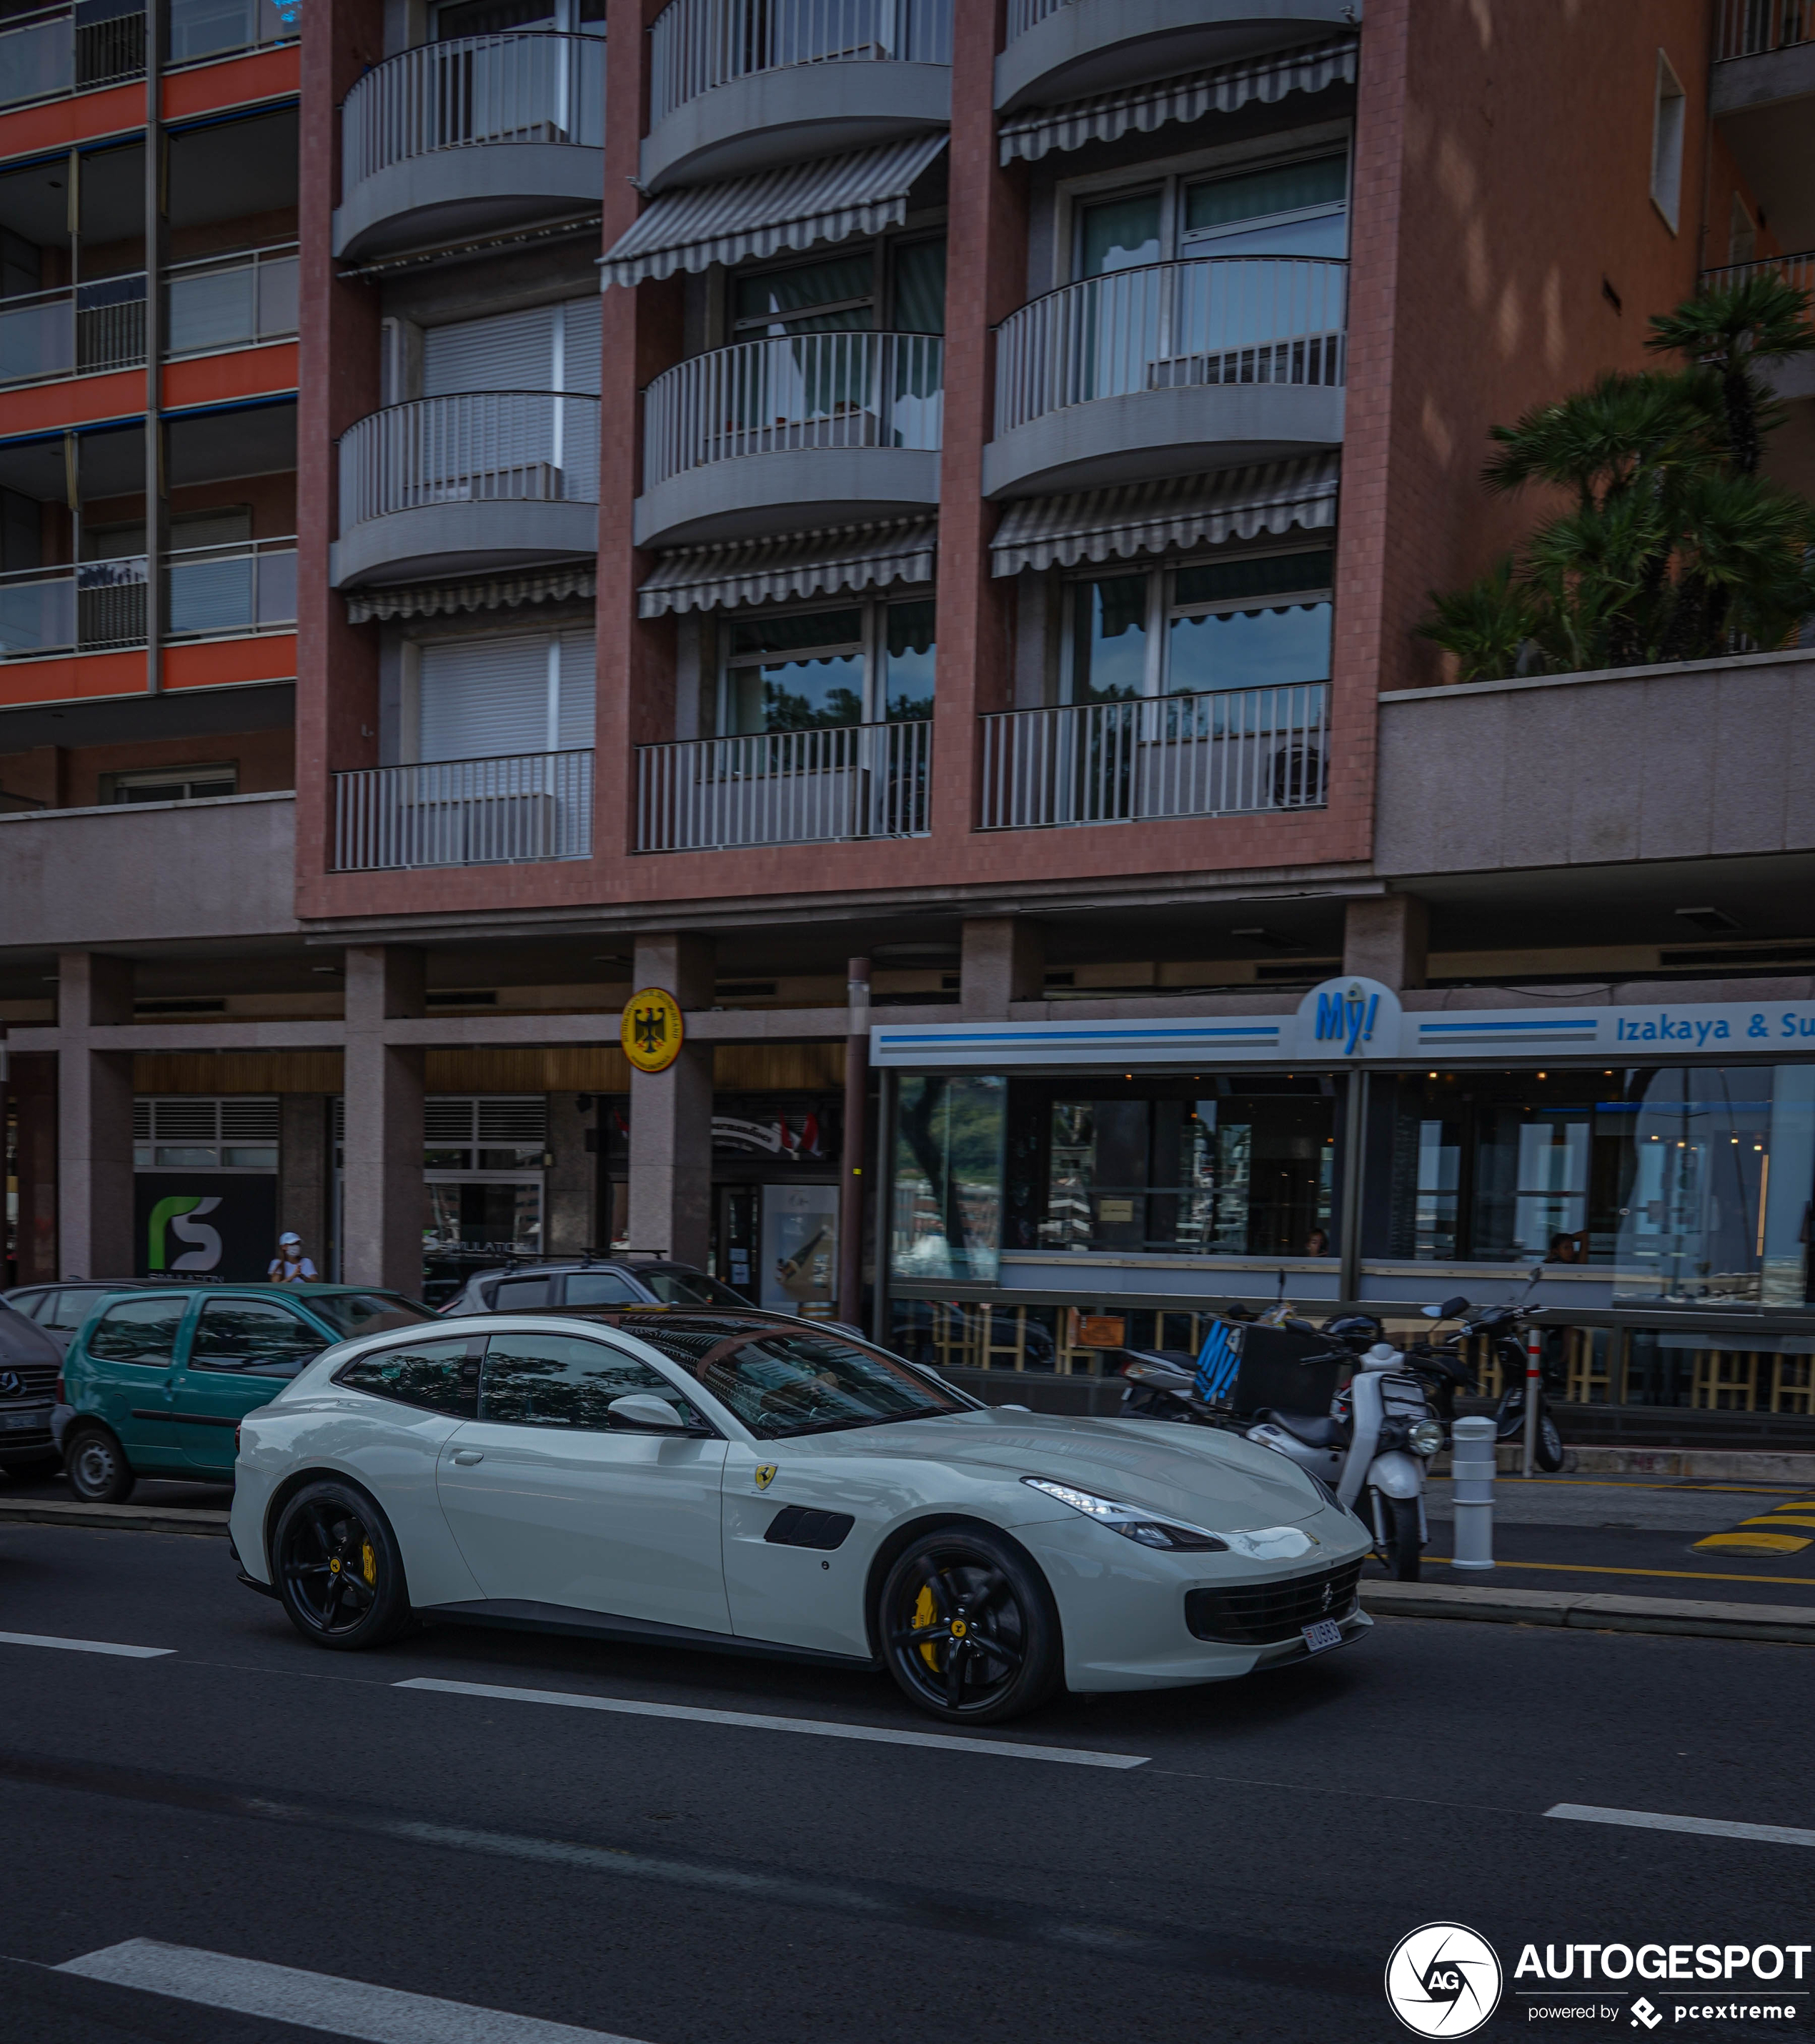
x=967, y=1627
x=339, y=1573
x=96, y=1466
x=1403, y=1552
x=1550, y=1450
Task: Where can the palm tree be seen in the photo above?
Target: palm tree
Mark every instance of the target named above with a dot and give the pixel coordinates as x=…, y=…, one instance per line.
x=1725, y=331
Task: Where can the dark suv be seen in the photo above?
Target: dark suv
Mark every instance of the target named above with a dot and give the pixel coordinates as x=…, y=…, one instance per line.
x=519, y=1288
x=28, y=1360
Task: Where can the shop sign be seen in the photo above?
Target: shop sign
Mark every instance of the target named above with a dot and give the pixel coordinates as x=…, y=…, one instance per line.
x=204, y=1223
x=652, y=1030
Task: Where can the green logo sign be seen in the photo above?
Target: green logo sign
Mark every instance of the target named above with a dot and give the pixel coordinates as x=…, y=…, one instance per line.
x=168, y=1217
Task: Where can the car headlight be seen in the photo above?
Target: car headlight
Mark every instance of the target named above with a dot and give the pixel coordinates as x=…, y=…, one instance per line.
x=1128, y=1520
x=1425, y=1439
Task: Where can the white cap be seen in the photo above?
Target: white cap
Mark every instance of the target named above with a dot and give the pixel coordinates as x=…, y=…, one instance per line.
x=290, y=1237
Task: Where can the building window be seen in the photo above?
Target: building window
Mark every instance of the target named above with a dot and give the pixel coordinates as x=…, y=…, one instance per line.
x=898, y=286
x=499, y=18
x=1293, y=208
x=1261, y=621
x=188, y=1132
x=503, y=695
x=865, y=663
x=171, y=784
x=1666, y=143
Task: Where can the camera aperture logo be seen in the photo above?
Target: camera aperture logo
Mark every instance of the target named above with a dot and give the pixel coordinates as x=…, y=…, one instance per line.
x=1443, y=1980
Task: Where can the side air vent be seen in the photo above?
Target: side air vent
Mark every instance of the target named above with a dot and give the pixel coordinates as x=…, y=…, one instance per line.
x=794, y=1526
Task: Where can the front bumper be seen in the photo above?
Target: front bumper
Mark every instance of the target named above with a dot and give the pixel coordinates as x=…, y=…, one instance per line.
x=1123, y=1612
x=27, y=1431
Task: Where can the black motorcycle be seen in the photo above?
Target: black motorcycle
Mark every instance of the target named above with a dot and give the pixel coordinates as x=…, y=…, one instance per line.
x=1506, y=1327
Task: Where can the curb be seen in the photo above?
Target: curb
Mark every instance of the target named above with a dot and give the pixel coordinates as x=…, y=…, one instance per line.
x=1701, y=1464
x=1584, y=1611
x=114, y=1518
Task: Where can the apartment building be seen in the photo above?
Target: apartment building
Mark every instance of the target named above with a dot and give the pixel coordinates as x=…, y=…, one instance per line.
x=900, y=523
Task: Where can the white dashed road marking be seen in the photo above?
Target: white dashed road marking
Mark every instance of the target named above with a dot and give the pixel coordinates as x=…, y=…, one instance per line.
x=1065, y=1756
x=1713, y=1828
x=83, y=1646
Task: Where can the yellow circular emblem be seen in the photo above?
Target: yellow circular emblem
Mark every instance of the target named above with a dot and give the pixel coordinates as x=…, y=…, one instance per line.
x=652, y=1029
x=959, y=1628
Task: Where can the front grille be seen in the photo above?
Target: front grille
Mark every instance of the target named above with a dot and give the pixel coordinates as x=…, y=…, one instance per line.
x=36, y=1380
x=1263, y=1614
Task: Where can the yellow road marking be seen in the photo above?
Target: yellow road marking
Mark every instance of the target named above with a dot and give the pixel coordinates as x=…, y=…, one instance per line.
x=1673, y=1575
x=1681, y=1483
x=1753, y=1543
x=1780, y=1519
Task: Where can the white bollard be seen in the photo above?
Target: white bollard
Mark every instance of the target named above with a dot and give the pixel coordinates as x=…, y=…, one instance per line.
x=1471, y=1468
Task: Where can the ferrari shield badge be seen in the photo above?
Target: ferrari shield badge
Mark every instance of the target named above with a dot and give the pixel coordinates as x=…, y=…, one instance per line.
x=765, y=1475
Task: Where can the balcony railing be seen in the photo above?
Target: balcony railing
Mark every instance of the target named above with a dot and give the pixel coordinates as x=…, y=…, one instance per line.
x=1230, y=319
x=203, y=28
x=531, y=805
x=92, y=607
x=696, y=45
x=71, y=48
x=1798, y=270
x=79, y=330
x=785, y=787
x=1026, y=14
x=806, y=391
x=1183, y=755
x=519, y=87
x=245, y=587
x=482, y=446
x=231, y=301
x=99, y=606
x=1751, y=28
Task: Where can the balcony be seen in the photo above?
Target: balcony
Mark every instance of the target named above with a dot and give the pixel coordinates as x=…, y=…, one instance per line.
x=477, y=133
x=1063, y=49
x=52, y=52
x=1167, y=369
x=485, y=479
x=819, y=786
x=1230, y=751
x=224, y=302
x=1790, y=376
x=779, y=435
x=99, y=606
x=737, y=86
x=532, y=805
x=1762, y=92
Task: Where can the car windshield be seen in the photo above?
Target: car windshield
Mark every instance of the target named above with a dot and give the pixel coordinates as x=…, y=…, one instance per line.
x=780, y=1382
x=351, y=1313
x=689, y=1288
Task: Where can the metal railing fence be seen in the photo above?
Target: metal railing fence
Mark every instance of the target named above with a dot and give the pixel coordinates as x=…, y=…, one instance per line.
x=74, y=47
x=531, y=805
x=480, y=446
x=1026, y=14
x=246, y=586
x=1182, y=755
x=785, y=787
x=75, y=330
x=529, y=87
x=800, y=390
x=203, y=28
x=696, y=45
x=1751, y=28
x=1228, y=319
x=92, y=607
x=1798, y=270
x=234, y=301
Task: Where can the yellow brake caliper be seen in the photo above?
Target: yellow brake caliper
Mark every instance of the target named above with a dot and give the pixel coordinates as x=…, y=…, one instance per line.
x=369, y=1564
x=925, y=1614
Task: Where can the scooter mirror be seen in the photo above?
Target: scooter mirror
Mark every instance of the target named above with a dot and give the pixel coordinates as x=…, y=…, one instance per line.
x=1432, y=1312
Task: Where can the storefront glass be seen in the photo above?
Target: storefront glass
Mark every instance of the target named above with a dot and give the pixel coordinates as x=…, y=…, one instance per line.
x=1691, y=1185
x=946, y=1212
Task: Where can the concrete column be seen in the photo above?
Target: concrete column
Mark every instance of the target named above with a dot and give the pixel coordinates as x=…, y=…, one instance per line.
x=1004, y=959
x=305, y=1171
x=94, y=1119
x=382, y=1176
x=1385, y=937
x=671, y=1114
x=850, y=1175
x=572, y=1182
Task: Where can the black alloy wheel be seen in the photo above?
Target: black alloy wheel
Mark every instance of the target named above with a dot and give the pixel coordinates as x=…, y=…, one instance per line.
x=96, y=1466
x=339, y=1573
x=969, y=1628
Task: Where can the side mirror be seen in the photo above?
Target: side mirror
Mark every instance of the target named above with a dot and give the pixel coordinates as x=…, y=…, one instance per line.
x=1452, y=1309
x=1432, y=1312
x=642, y=1412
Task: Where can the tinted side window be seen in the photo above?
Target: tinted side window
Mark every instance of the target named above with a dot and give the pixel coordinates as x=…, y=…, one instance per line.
x=520, y=1295
x=141, y=1330
x=557, y=1381
x=601, y=1288
x=31, y=1304
x=437, y=1376
x=247, y=1333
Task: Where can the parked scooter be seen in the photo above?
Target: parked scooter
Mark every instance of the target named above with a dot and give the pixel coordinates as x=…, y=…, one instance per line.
x=1505, y=1326
x=1371, y=1448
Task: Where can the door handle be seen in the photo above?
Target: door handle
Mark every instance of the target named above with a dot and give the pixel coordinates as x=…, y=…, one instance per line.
x=466, y=1456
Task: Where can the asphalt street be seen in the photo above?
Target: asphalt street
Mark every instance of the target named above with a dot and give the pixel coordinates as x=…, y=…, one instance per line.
x=709, y=1864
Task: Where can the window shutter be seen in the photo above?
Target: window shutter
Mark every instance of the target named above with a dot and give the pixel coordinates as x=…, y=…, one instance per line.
x=582, y=344
x=484, y=697
x=579, y=691
x=507, y=351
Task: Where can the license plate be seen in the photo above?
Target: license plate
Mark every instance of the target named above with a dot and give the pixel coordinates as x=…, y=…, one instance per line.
x=19, y=1423
x=1325, y=1634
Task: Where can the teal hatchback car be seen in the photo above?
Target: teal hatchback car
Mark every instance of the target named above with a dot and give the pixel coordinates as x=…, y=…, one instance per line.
x=160, y=1378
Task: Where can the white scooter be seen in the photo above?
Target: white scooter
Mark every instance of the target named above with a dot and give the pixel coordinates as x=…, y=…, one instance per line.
x=1372, y=1448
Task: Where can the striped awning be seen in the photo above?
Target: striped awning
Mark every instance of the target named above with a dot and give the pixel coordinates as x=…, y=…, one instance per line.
x=496, y=593
x=1157, y=517
x=793, y=564
x=824, y=200
x=1105, y=115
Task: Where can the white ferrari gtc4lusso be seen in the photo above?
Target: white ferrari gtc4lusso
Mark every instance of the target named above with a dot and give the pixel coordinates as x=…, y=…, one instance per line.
x=752, y=1482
